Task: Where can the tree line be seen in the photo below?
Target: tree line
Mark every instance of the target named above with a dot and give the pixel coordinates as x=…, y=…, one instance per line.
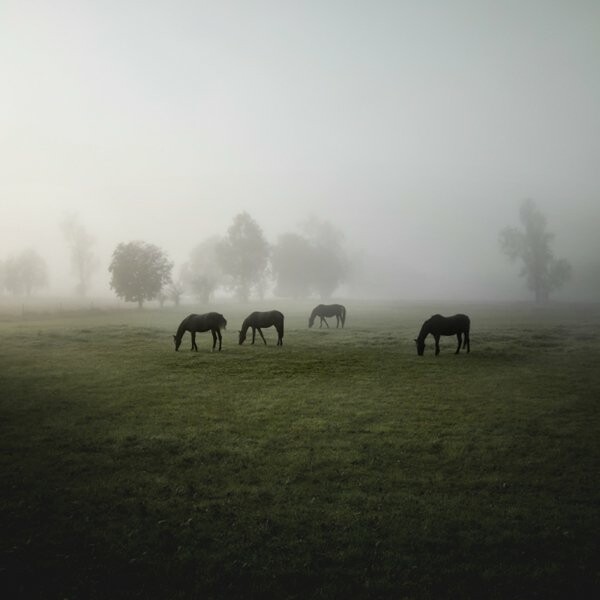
x=242, y=262
x=312, y=262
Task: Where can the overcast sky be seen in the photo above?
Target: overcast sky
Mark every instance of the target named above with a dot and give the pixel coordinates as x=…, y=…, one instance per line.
x=417, y=128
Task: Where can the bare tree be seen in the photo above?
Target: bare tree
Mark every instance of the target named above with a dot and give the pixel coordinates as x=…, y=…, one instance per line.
x=531, y=245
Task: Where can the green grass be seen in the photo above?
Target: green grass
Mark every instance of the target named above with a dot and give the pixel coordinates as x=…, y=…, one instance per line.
x=339, y=466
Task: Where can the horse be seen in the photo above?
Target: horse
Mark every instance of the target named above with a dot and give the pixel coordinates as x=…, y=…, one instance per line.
x=211, y=321
x=437, y=325
x=328, y=310
x=257, y=320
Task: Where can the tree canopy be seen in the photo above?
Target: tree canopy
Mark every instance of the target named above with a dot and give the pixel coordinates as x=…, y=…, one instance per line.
x=139, y=271
x=311, y=263
x=202, y=273
x=24, y=273
x=532, y=245
x=243, y=255
x=291, y=261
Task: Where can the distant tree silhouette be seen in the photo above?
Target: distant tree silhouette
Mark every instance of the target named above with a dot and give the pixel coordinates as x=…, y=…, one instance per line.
x=175, y=291
x=328, y=263
x=291, y=264
x=543, y=272
x=25, y=272
x=202, y=273
x=80, y=242
x=243, y=256
x=139, y=271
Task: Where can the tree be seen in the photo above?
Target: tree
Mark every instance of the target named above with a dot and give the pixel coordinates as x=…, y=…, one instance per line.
x=139, y=271
x=174, y=292
x=83, y=261
x=328, y=263
x=202, y=273
x=544, y=273
x=244, y=255
x=291, y=262
x=25, y=273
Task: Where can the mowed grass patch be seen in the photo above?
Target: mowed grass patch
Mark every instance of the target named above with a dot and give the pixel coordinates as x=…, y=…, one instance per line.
x=341, y=465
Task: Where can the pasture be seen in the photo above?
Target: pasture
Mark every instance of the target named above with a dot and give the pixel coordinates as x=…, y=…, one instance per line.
x=341, y=465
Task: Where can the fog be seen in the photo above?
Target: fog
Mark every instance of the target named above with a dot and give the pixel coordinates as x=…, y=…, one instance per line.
x=416, y=129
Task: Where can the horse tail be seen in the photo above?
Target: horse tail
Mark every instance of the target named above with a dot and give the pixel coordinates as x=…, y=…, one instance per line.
x=223, y=322
x=343, y=315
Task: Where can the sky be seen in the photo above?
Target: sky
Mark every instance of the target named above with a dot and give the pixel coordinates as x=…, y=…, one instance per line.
x=416, y=128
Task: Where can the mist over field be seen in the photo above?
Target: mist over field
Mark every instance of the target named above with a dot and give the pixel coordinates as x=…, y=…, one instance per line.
x=415, y=130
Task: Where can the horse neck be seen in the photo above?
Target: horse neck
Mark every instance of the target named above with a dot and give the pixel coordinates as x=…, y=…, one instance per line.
x=181, y=330
x=245, y=326
x=423, y=333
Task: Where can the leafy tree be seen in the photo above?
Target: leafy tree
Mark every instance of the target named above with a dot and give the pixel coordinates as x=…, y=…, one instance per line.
x=139, y=271
x=292, y=260
x=328, y=263
x=24, y=273
x=244, y=255
x=543, y=272
x=174, y=292
x=83, y=261
x=202, y=273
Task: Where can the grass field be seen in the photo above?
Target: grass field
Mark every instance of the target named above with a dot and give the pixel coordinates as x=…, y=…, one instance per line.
x=339, y=466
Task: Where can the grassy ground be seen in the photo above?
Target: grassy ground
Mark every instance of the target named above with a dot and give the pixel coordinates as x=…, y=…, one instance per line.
x=339, y=466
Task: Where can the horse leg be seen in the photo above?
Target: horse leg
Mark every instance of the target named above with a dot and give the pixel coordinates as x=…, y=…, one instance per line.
x=220, y=338
x=459, y=338
x=194, y=347
x=253, y=334
x=279, y=337
x=467, y=343
x=214, y=334
x=437, y=344
x=337, y=321
x=326, y=323
x=261, y=335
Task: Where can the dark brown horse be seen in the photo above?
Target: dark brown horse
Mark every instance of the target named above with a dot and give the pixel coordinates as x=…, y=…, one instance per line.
x=211, y=321
x=258, y=320
x=437, y=326
x=328, y=310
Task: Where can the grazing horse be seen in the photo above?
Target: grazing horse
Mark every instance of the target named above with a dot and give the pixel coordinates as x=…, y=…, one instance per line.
x=211, y=321
x=328, y=310
x=257, y=320
x=437, y=325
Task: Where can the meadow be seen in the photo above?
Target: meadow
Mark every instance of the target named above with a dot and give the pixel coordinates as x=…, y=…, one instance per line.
x=341, y=465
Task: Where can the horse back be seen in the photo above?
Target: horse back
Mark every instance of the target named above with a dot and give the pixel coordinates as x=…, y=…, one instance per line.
x=440, y=325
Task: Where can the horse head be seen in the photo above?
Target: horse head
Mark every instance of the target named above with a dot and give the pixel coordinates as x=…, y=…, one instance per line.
x=311, y=321
x=242, y=337
x=177, y=342
x=420, y=346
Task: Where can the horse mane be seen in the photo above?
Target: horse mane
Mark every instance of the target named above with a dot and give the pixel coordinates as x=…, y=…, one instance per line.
x=246, y=324
x=181, y=329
